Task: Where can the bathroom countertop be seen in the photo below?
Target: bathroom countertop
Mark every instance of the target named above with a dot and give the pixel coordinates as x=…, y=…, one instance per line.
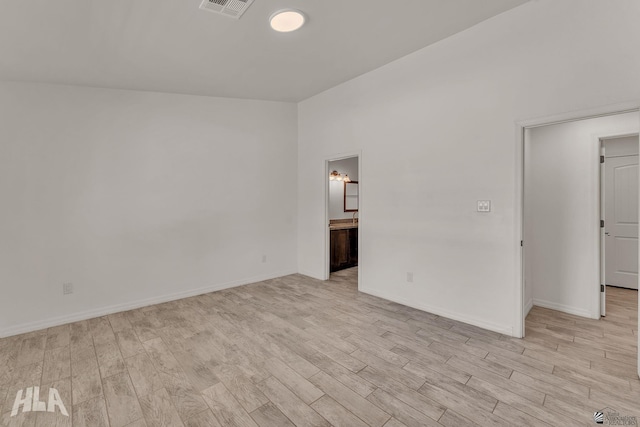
x=342, y=224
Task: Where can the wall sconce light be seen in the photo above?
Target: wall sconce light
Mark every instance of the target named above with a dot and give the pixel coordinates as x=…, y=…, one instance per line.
x=335, y=176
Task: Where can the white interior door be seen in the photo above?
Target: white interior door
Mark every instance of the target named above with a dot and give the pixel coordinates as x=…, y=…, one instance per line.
x=621, y=221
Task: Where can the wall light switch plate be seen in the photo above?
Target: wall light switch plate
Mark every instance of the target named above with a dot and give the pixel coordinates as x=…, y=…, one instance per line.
x=484, y=205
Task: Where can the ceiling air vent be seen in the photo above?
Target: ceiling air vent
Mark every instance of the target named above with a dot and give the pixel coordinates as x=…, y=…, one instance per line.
x=233, y=8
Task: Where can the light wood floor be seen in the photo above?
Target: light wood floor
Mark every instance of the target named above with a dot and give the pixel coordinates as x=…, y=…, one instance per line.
x=296, y=351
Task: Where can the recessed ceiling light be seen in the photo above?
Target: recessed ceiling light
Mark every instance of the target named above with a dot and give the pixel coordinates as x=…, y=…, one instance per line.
x=287, y=20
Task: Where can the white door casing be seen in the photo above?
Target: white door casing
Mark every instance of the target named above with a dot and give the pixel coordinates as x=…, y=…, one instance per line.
x=621, y=223
x=603, y=257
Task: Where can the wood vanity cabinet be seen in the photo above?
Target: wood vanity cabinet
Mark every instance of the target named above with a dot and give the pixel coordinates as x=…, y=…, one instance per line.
x=344, y=249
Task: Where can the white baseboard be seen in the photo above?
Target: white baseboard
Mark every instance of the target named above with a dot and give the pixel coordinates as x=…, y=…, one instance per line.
x=103, y=311
x=527, y=307
x=506, y=330
x=563, y=308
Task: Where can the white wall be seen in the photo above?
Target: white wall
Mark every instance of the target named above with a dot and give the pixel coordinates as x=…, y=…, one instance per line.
x=624, y=146
x=562, y=211
x=336, y=188
x=137, y=197
x=443, y=120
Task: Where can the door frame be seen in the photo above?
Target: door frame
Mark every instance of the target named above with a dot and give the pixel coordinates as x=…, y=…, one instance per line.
x=520, y=129
x=327, y=232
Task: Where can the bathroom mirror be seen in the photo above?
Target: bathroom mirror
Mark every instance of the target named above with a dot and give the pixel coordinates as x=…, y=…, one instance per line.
x=351, y=196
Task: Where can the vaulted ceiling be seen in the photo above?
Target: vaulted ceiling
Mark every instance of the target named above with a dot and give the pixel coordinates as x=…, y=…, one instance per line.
x=173, y=46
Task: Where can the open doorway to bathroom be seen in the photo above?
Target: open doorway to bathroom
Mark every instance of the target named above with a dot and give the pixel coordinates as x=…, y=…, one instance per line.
x=343, y=211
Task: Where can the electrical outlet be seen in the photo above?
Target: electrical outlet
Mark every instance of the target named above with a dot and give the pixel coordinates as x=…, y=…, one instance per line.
x=484, y=205
x=67, y=288
x=409, y=277
x=264, y=258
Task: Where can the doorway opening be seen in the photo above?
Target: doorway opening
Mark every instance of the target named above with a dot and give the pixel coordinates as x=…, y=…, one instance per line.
x=619, y=189
x=343, y=218
x=619, y=208
x=580, y=219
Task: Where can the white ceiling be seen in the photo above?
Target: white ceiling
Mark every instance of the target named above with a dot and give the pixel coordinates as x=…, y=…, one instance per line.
x=173, y=46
